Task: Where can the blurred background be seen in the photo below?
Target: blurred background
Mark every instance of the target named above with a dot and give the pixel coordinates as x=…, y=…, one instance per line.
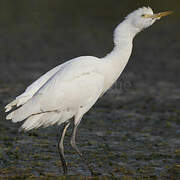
x=133, y=131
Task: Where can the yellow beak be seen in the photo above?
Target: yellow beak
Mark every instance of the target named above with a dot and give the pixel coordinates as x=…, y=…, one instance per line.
x=158, y=15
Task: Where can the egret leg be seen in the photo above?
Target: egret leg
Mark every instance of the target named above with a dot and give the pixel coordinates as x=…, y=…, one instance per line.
x=61, y=148
x=73, y=144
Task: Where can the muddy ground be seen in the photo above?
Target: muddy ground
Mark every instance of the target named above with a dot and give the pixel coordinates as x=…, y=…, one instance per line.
x=133, y=132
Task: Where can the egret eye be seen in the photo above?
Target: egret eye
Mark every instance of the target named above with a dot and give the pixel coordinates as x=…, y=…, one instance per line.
x=143, y=15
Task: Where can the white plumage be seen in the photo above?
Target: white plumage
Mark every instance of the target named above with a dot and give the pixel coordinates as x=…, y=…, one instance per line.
x=71, y=89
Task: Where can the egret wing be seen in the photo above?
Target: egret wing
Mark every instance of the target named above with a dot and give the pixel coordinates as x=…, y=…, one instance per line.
x=77, y=85
x=33, y=88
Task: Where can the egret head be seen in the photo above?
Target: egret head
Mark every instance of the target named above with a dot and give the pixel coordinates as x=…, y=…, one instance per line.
x=144, y=17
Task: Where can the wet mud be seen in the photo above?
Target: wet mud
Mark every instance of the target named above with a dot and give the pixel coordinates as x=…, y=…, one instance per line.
x=133, y=131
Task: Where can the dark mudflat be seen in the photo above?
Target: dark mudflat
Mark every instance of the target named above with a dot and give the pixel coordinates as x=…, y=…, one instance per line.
x=133, y=132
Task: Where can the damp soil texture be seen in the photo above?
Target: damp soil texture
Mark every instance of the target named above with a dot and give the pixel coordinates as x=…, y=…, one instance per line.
x=133, y=131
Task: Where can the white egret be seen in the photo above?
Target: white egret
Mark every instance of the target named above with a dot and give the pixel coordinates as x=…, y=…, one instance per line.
x=72, y=88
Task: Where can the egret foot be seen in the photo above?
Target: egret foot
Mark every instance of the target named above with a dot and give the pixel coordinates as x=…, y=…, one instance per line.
x=65, y=169
x=61, y=149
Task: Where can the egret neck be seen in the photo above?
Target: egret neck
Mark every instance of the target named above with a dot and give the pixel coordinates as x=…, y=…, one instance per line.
x=119, y=56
